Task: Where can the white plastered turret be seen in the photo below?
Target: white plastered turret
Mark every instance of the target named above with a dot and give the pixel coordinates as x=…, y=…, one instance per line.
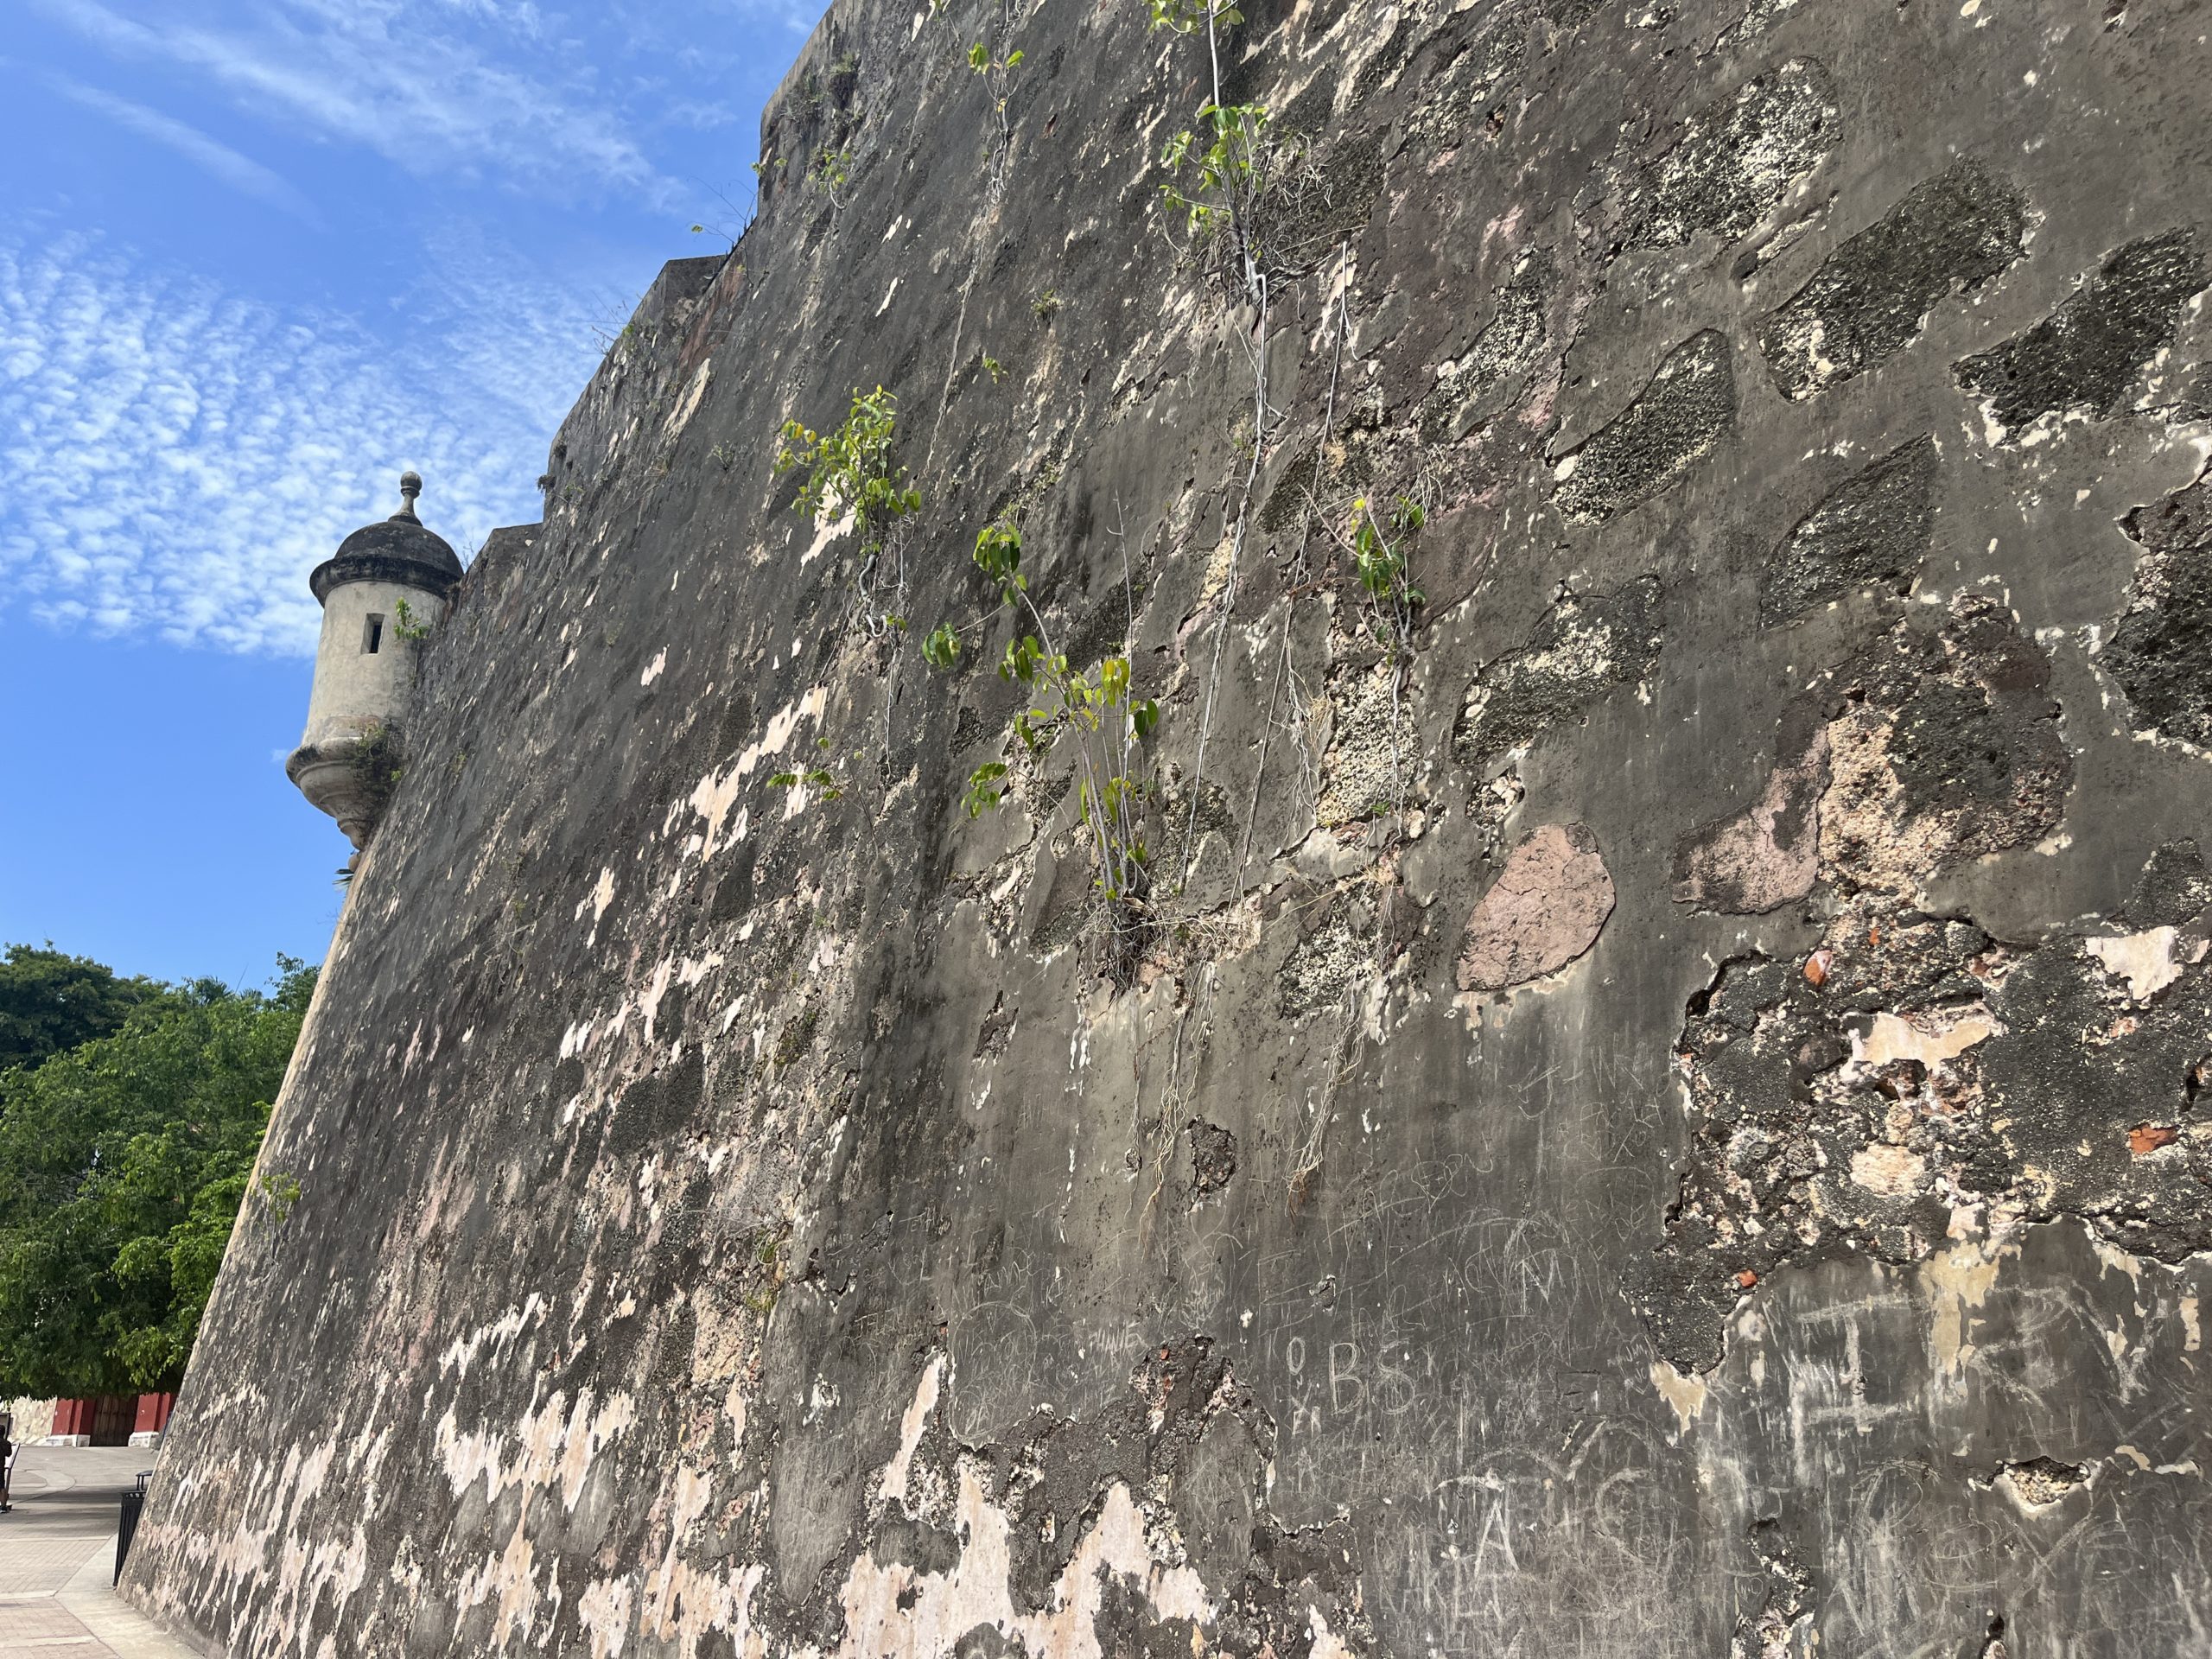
x=383, y=592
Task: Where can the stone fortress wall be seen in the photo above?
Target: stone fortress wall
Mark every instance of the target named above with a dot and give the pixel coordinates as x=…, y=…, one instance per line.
x=1670, y=1122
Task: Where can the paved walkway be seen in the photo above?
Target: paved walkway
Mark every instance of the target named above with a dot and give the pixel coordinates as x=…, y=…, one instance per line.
x=57, y=1560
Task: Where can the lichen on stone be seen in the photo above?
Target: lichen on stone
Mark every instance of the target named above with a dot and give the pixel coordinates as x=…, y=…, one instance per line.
x=1735, y=160
x=1505, y=347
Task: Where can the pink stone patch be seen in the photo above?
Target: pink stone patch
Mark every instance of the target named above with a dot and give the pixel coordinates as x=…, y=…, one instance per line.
x=1546, y=909
x=1768, y=855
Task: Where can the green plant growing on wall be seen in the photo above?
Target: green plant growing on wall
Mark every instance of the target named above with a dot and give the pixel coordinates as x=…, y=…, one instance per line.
x=850, y=471
x=1219, y=173
x=998, y=73
x=407, y=625
x=993, y=367
x=378, y=765
x=1047, y=305
x=1098, y=707
x=830, y=173
x=818, y=780
x=1381, y=562
x=1380, y=550
x=280, y=1191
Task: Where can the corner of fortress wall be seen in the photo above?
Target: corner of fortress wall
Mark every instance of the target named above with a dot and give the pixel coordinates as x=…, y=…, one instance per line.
x=1654, y=1102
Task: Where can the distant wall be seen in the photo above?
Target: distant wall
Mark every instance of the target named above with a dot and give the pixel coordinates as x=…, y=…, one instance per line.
x=1657, y=1105
x=34, y=1419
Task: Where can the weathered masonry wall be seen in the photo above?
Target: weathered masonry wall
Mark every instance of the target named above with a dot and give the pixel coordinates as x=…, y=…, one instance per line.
x=1675, y=1122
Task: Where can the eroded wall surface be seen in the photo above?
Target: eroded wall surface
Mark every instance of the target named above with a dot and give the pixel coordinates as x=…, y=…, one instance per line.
x=1670, y=1120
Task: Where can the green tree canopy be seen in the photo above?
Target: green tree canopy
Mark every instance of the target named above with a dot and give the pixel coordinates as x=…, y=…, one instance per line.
x=50, y=1001
x=123, y=1162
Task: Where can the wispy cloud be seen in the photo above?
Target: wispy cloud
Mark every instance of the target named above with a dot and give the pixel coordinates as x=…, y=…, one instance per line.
x=478, y=87
x=242, y=173
x=178, y=459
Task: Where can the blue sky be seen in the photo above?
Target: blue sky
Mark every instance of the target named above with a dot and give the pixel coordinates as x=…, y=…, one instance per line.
x=256, y=256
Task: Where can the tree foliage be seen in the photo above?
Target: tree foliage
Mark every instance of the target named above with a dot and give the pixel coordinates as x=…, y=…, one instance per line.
x=50, y=1001
x=125, y=1162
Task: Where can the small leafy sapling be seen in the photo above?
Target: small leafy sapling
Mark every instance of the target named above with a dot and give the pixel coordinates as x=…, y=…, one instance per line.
x=993, y=367
x=942, y=648
x=998, y=72
x=280, y=1191
x=1380, y=557
x=831, y=172
x=850, y=471
x=1100, y=708
x=1188, y=17
x=407, y=625
x=1223, y=175
x=1047, y=305
x=980, y=60
x=1224, y=163
x=818, y=777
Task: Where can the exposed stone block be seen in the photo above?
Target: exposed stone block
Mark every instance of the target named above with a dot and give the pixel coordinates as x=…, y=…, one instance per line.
x=1585, y=646
x=1546, y=908
x=2160, y=651
x=1872, y=529
x=1768, y=854
x=1737, y=159
x=1679, y=413
x=2080, y=361
x=1871, y=297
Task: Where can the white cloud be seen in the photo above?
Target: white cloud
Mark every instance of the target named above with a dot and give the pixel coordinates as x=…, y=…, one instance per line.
x=241, y=172
x=178, y=459
x=436, y=87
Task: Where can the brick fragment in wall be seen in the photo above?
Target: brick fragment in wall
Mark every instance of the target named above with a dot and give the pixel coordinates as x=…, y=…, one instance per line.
x=1676, y=418
x=2081, y=359
x=1546, y=908
x=1871, y=297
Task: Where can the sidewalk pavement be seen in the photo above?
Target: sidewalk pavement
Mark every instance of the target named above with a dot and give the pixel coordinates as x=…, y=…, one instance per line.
x=57, y=1560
